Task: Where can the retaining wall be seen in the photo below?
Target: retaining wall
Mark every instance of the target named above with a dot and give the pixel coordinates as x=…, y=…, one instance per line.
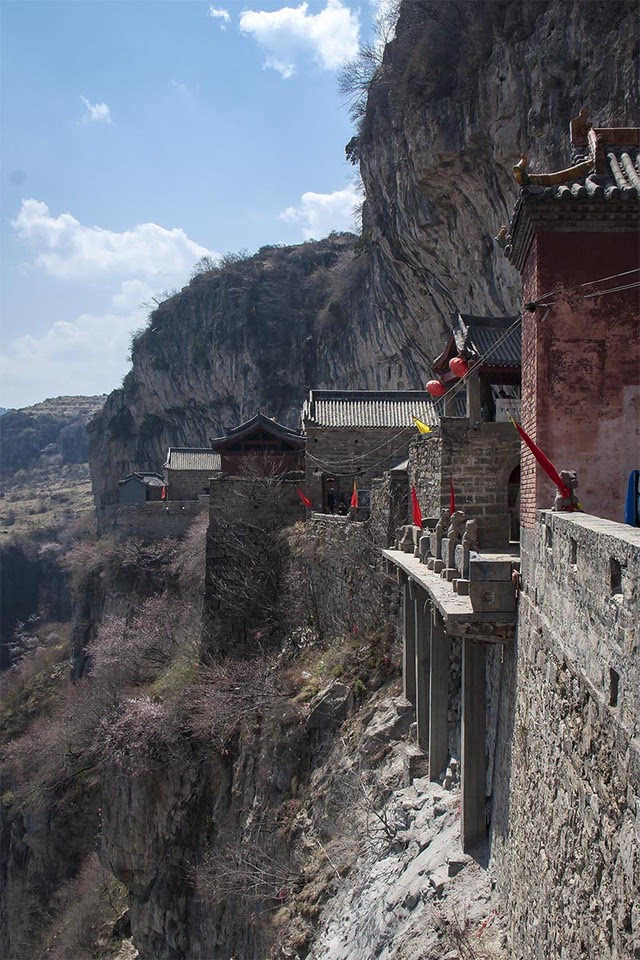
x=152, y=520
x=567, y=791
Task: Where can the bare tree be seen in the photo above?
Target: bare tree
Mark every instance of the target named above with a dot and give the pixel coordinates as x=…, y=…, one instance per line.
x=357, y=75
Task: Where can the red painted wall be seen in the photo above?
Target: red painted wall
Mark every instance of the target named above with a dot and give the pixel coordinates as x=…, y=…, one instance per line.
x=581, y=370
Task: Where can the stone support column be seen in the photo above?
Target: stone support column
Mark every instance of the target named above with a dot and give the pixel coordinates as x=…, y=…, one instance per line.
x=474, y=723
x=423, y=638
x=473, y=398
x=438, y=698
x=408, y=642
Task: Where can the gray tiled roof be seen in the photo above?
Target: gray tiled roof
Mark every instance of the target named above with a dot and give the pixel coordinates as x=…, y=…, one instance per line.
x=259, y=420
x=150, y=479
x=605, y=167
x=368, y=408
x=479, y=336
x=193, y=458
x=622, y=179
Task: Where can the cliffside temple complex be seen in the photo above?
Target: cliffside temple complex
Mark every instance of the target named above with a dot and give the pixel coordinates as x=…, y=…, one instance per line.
x=472, y=621
x=567, y=610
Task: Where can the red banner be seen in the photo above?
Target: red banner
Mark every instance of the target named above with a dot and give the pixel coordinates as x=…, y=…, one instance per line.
x=304, y=499
x=417, y=512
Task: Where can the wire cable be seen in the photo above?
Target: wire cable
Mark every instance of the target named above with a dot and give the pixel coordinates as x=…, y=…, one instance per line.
x=451, y=394
x=599, y=293
x=538, y=301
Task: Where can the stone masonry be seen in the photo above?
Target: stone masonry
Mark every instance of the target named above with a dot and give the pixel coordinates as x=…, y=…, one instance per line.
x=479, y=461
x=243, y=557
x=349, y=454
x=567, y=786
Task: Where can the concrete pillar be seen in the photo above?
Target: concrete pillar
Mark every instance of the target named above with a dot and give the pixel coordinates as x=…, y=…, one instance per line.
x=473, y=398
x=474, y=723
x=449, y=405
x=408, y=642
x=438, y=698
x=423, y=637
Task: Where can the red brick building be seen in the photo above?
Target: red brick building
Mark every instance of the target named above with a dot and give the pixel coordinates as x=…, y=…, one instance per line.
x=574, y=237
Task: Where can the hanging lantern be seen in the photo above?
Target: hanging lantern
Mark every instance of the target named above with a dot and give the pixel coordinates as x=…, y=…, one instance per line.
x=435, y=388
x=459, y=366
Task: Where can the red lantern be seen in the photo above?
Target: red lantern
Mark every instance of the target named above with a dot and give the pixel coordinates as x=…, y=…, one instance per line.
x=459, y=366
x=435, y=388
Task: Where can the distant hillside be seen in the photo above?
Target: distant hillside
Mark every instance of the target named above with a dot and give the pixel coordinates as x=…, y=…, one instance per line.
x=53, y=428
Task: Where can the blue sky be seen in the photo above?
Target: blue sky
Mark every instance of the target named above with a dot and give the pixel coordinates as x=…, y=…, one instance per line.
x=138, y=135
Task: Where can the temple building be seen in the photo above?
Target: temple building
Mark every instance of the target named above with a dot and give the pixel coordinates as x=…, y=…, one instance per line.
x=574, y=238
x=493, y=347
x=188, y=471
x=356, y=435
x=139, y=488
x=261, y=443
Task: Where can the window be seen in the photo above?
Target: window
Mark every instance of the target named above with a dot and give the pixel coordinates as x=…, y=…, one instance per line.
x=614, y=683
x=573, y=551
x=616, y=577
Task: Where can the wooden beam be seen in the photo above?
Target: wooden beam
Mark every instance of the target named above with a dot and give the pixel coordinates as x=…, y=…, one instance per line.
x=474, y=823
x=438, y=699
x=423, y=643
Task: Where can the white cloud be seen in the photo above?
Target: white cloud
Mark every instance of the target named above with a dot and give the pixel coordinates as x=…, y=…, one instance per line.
x=95, y=112
x=291, y=33
x=87, y=353
x=221, y=15
x=320, y=213
x=66, y=248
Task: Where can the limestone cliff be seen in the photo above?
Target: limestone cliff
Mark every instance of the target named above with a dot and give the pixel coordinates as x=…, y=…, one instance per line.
x=463, y=89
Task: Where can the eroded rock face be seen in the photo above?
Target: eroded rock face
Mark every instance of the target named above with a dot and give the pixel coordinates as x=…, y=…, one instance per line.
x=456, y=102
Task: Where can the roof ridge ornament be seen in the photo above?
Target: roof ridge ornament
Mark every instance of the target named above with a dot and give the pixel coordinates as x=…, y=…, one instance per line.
x=579, y=129
x=526, y=179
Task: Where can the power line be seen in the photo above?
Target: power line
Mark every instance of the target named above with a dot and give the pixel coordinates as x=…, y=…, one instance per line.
x=600, y=293
x=538, y=301
x=451, y=394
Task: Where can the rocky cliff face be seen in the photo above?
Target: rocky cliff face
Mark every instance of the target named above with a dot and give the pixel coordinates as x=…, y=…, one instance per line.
x=53, y=428
x=462, y=91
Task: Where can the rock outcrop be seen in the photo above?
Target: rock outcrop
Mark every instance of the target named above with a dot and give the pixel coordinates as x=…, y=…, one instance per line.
x=463, y=89
x=55, y=427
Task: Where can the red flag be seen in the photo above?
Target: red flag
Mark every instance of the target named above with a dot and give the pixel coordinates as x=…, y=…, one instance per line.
x=544, y=461
x=304, y=499
x=354, y=496
x=452, y=497
x=417, y=512
x=163, y=495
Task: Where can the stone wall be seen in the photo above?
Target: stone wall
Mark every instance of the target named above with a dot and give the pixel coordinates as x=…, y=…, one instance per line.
x=390, y=506
x=245, y=557
x=567, y=785
x=187, y=484
x=348, y=454
x=337, y=562
x=154, y=520
x=584, y=355
x=479, y=461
